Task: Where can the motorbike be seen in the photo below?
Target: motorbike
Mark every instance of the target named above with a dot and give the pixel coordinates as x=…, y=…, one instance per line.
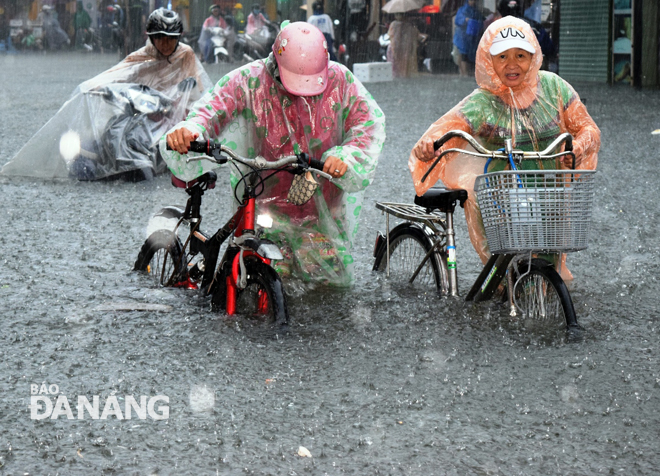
x=384, y=43
x=125, y=149
x=219, y=44
x=257, y=45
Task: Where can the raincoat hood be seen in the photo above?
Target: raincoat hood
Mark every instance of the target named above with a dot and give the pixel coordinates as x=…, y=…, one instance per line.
x=485, y=71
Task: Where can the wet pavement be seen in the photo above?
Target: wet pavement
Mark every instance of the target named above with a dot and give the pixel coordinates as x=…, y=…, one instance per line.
x=377, y=380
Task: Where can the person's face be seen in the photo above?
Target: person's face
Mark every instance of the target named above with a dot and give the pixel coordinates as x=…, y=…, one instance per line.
x=512, y=65
x=215, y=12
x=472, y=3
x=165, y=44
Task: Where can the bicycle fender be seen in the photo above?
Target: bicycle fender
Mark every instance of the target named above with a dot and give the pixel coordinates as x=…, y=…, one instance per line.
x=170, y=212
x=269, y=250
x=262, y=247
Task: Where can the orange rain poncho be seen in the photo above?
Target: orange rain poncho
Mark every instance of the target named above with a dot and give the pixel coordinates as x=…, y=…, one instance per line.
x=532, y=114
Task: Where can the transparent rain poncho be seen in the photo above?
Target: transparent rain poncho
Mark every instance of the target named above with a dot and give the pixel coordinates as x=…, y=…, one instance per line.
x=112, y=122
x=532, y=114
x=250, y=112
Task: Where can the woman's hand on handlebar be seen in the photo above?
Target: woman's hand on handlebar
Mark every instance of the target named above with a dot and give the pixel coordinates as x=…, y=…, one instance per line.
x=334, y=166
x=180, y=140
x=424, y=150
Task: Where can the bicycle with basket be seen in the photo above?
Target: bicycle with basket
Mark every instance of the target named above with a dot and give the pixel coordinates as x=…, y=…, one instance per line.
x=527, y=214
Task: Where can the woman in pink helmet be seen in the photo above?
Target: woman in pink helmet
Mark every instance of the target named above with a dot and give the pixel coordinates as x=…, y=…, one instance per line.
x=296, y=100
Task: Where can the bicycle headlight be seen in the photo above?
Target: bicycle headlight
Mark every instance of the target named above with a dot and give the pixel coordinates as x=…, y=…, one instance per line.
x=264, y=221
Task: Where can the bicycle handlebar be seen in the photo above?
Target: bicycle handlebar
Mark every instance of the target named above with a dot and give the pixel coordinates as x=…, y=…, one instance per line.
x=213, y=152
x=481, y=151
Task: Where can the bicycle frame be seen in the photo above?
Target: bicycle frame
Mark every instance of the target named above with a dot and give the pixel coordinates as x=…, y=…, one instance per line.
x=242, y=226
x=424, y=227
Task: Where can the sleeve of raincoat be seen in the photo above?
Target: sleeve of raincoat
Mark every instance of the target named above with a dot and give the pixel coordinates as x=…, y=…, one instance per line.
x=209, y=113
x=452, y=120
x=363, y=137
x=585, y=132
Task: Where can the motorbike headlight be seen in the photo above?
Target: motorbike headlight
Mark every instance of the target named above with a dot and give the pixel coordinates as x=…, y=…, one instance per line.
x=69, y=145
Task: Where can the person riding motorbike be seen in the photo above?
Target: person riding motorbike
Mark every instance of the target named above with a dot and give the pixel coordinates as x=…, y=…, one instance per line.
x=56, y=38
x=215, y=20
x=239, y=17
x=256, y=20
x=294, y=101
x=116, y=117
x=514, y=100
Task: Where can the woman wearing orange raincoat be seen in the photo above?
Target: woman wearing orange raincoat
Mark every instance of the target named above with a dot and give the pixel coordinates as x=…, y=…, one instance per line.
x=514, y=100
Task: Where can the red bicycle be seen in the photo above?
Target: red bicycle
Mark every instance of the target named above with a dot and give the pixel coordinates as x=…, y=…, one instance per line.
x=244, y=280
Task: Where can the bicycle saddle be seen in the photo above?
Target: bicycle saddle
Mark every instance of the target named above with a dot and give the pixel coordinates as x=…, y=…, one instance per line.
x=442, y=199
x=208, y=179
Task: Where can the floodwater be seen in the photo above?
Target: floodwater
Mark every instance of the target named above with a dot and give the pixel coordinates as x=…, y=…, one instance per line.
x=377, y=380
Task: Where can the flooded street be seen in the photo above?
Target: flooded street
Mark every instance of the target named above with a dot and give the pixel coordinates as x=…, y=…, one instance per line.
x=376, y=380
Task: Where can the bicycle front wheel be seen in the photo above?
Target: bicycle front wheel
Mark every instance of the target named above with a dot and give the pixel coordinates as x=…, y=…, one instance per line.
x=541, y=295
x=263, y=298
x=409, y=245
x=161, y=257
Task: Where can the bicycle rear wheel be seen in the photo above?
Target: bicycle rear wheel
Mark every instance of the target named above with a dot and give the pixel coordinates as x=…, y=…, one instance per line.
x=541, y=295
x=409, y=244
x=161, y=257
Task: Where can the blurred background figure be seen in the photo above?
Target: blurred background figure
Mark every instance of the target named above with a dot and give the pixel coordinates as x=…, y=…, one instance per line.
x=81, y=25
x=239, y=17
x=402, y=51
x=215, y=20
x=323, y=22
x=256, y=20
x=469, y=23
x=55, y=37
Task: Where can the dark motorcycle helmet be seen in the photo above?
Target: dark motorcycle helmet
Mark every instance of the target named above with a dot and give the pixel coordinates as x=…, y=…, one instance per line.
x=164, y=22
x=510, y=8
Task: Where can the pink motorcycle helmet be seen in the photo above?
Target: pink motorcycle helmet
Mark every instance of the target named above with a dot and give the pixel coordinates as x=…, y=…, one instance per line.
x=301, y=53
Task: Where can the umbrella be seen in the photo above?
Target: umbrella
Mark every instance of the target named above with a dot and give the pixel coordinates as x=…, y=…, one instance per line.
x=401, y=6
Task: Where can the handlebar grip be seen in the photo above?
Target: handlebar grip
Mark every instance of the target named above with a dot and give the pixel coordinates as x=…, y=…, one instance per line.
x=449, y=135
x=569, y=148
x=316, y=164
x=200, y=147
x=313, y=163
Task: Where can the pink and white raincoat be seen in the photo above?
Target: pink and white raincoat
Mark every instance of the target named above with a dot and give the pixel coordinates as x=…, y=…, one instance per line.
x=250, y=111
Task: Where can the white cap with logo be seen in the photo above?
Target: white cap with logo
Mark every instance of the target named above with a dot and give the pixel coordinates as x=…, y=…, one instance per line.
x=508, y=38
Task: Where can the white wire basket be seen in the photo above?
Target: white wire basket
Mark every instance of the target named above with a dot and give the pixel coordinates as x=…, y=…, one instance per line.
x=547, y=210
